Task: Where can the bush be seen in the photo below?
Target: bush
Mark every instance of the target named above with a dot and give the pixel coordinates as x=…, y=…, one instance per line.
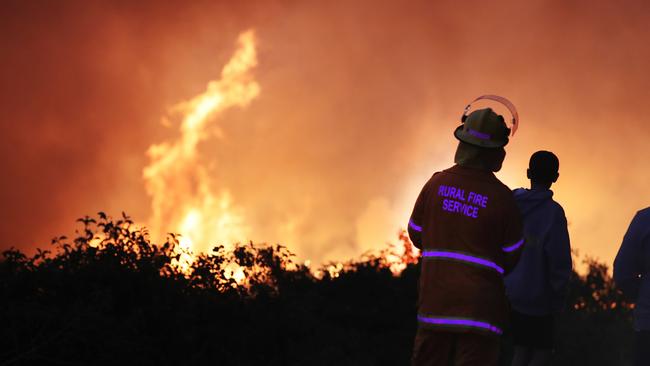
x=110, y=296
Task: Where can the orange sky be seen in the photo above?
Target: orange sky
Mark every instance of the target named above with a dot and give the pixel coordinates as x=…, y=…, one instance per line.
x=356, y=110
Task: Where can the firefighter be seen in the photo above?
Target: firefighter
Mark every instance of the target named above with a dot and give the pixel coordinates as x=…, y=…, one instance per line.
x=468, y=227
x=631, y=276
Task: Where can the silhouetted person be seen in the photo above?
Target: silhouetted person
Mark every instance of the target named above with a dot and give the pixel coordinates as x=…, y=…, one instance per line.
x=537, y=287
x=469, y=229
x=631, y=268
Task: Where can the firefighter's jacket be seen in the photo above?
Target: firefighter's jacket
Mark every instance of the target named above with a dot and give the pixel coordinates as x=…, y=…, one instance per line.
x=469, y=229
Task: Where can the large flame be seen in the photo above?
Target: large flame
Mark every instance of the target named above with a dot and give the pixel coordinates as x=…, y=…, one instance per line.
x=184, y=198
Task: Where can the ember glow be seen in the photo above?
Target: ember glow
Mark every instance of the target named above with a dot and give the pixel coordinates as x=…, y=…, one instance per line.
x=182, y=192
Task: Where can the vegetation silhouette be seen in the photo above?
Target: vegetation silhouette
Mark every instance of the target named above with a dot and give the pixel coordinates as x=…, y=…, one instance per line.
x=111, y=296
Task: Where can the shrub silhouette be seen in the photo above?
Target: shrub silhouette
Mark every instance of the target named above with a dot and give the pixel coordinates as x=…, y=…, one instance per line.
x=110, y=296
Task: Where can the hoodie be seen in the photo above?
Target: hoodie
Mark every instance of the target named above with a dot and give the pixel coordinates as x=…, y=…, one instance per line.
x=631, y=265
x=538, y=284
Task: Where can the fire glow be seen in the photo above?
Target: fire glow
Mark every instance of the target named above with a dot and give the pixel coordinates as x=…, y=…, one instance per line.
x=184, y=198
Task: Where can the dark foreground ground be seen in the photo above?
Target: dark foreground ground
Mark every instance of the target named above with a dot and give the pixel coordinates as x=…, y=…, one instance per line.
x=125, y=304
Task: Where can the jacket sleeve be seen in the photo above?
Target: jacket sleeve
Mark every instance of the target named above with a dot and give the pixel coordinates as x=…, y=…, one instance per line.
x=558, y=254
x=628, y=264
x=514, y=242
x=416, y=221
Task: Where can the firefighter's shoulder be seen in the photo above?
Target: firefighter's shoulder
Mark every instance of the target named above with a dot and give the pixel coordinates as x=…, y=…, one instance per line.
x=433, y=178
x=503, y=190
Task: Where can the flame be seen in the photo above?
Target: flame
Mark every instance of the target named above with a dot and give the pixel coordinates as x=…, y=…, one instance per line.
x=184, y=199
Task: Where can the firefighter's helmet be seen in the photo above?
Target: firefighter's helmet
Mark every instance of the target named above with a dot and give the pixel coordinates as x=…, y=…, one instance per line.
x=485, y=128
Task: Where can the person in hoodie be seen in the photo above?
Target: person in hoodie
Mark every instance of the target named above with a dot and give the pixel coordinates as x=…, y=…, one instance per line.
x=537, y=287
x=630, y=267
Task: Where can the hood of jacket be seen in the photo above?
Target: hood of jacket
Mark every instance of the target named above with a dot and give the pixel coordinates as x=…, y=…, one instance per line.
x=529, y=200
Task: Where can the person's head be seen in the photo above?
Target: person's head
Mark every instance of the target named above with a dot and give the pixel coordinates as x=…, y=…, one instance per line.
x=543, y=169
x=482, y=137
x=479, y=157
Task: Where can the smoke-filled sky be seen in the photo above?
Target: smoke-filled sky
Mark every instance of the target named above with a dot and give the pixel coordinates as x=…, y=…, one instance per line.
x=357, y=104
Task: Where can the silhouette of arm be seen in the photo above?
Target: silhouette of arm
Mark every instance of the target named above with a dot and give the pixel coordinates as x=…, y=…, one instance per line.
x=628, y=265
x=416, y=221
x=514, y=236
x=558, y=254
